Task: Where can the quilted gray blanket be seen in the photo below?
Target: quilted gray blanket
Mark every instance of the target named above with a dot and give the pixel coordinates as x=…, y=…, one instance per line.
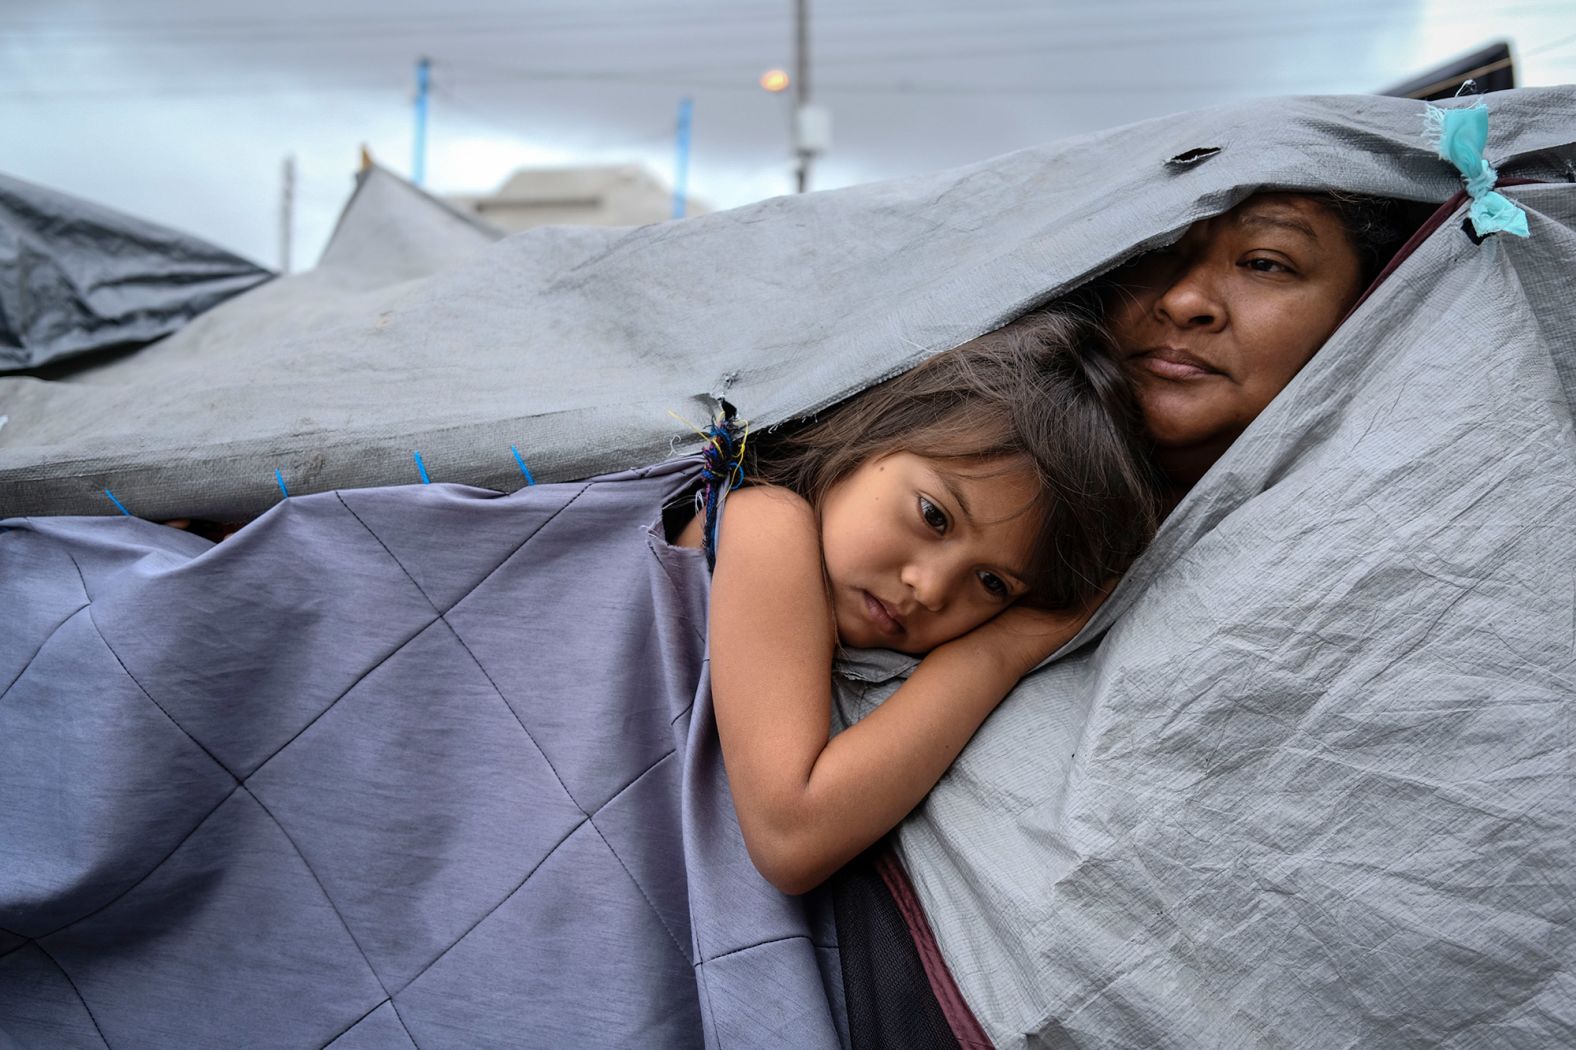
x=419, y=766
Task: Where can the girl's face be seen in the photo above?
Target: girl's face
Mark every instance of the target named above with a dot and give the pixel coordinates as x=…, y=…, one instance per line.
x=920, y=551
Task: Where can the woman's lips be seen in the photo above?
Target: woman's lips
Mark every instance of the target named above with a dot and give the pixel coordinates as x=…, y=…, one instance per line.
x=881, y=616
x=1169, y=362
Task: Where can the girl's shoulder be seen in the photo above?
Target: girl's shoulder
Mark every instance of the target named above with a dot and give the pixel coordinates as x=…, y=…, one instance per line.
x=770, y=500
x=765, y=512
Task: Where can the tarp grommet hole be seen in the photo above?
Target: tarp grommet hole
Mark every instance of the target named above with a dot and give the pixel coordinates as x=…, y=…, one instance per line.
x=1192, y=156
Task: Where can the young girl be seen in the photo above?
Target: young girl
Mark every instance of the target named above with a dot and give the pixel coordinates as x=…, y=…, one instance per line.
x=973, y=510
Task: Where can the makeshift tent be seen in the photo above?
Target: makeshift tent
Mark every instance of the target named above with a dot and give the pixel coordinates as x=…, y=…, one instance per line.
x=1304, y=781
x=77, y=277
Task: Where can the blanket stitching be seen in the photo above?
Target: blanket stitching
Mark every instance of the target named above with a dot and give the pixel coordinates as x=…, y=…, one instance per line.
x=585, y=813
x=442, y=615
x=705, y=665
x=518, y=720
x=26, y=940
x=592, y=818
x=147, y=874
x=759, y=944
x=585, y=819
x=152, y=700
x=506, y=559
x=643, y=895
x=78, y=991
x=401, y=1019
x=348, y=690
x=53, y=631
x=337, y=1036
x=502, y=562
x=488, y=913
x=321, y=888
x=81, y=576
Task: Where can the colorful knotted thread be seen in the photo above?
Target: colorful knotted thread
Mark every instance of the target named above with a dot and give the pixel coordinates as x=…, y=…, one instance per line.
x=1461, y=135
x=722, y=471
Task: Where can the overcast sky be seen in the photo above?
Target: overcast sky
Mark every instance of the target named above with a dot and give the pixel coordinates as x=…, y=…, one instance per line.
x=182, y=113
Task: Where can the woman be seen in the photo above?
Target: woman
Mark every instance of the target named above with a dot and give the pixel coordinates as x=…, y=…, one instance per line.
x=1212, y=327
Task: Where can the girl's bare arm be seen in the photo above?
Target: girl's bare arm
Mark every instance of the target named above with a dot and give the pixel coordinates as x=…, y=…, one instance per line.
x=808, y=805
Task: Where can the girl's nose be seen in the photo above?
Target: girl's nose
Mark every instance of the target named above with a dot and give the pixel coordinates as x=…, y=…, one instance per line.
x=928, y=581
x=1193, y=299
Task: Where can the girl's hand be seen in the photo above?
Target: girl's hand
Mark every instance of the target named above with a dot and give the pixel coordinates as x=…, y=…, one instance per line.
x=1022, y=637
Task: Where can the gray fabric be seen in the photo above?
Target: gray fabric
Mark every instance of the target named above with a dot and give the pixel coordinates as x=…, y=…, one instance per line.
x=573, y=344
x=76, y=277
x=1312, y=787
x=419, y=765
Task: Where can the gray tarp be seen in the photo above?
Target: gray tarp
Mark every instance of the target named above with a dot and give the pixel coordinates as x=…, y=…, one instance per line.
x=76, y=276
x=573, y=344
x=1314, y=786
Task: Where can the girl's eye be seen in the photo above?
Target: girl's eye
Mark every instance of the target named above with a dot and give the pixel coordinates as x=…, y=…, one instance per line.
x=995, y=585
x=934, y=516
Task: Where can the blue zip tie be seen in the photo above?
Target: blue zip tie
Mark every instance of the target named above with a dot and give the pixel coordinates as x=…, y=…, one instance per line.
x=421, y=467
x=281, y=479
x=117, y=503
x=523, y=468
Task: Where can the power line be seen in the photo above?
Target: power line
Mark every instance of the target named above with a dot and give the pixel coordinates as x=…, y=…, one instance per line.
x=445, y=92
x=677, y=77
x=362, y=30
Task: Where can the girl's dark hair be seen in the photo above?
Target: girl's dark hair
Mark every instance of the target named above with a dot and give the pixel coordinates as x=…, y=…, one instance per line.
x=1044, y=389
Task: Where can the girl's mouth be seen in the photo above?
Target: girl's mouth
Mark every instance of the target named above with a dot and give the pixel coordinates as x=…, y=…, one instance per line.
x=881, y=616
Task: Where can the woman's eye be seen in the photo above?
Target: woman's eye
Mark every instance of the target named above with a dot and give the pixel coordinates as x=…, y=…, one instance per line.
x=994, y=584
x=934, y=516
x=1262, y=265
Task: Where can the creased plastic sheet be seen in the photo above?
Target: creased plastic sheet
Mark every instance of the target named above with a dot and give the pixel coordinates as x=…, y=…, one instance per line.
x=1313, y=787
x=573, y=344
x=77, y=277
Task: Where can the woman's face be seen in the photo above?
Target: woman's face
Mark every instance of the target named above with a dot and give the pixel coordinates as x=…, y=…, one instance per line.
x=1210, y=329
x=918, y=551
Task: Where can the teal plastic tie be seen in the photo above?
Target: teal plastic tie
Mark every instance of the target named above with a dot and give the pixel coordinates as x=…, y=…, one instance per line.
x=1462, y=135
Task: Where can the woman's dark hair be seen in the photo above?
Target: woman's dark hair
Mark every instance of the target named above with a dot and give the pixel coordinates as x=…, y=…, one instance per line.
x=1377, y=227
x=1044, y=390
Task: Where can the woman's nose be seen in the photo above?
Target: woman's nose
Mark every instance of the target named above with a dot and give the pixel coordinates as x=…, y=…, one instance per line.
x=1193, y=298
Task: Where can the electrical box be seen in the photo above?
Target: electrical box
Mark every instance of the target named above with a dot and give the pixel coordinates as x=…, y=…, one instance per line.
x=812, y=129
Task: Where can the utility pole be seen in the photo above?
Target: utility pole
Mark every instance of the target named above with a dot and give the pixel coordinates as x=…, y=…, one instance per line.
x=681, y=157
x=812, y=125
x=286, y=211
x=418, y=163
x=801, y=86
